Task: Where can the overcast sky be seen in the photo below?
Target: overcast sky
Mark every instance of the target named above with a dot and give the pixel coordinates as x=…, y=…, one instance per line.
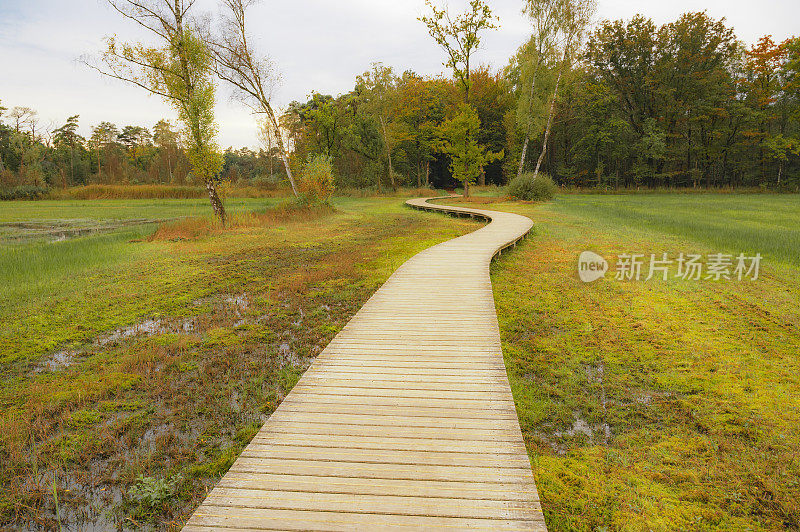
x=316, y=44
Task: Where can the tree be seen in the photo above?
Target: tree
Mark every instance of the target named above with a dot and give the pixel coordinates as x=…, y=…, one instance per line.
x=459, y=37
x=778, y=148
x=24, y=117
x=2, y=127
x=253, y=77
x=491, y=99
x=574, y=18
x=374, y=90
x=103, y=135
x=180, y=70
x=67, y=136
x=422, y=105
x=166, y=139
x=543, y=14
x=457, y=139
x=134, y=136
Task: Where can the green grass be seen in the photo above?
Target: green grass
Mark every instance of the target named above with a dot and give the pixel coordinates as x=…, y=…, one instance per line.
x=749, y=223
x=657, y=405
x=119, y=209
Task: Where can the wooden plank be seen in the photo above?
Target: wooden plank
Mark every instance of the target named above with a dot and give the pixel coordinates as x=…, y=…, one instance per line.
x=405, y=421
x=376, y=456
x=217, y=517
x=387, y=442
x=473, y=490
x=375, y=504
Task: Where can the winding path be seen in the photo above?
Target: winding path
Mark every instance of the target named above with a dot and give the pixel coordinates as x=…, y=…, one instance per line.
x=405, y=421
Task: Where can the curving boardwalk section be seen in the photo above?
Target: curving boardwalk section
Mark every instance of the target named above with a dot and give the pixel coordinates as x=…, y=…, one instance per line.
x=405, y=421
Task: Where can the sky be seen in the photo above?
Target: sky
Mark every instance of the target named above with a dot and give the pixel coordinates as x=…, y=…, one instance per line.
x=316, y=45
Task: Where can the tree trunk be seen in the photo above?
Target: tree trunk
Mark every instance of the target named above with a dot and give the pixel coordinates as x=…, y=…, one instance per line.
x=549, y=123
x=530, y=110
x=391, y=172
x=427, y=173
x=524, y=150
x=482, y=178
x=388, y=153
x=71, y=166
x=169, y=165
x=279, y=138
x=216, y=202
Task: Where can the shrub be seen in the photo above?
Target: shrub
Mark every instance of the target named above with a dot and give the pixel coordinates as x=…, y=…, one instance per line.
x=317, y=182
x=24, y=192
x=525, y=187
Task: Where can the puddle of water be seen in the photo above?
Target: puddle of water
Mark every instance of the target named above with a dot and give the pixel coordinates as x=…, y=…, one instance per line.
x=580, y=427
x=57, y=361
x=65, y=358
x=82, y=507
x=240, y=301
x=59, y=230
x=300, y=319
x=147, y=327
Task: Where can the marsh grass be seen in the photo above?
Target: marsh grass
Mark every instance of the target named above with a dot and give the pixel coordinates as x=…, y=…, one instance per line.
x=30, y=267
x=387, y=192
x=95, y=192
x=196, y=227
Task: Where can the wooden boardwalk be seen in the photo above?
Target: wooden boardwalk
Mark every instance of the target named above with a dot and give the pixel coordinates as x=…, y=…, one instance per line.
x=405, y=421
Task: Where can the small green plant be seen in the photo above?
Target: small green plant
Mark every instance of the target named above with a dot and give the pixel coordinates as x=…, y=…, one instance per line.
x=317, y=182
x=149, y=495
x=55, y=499
x=525, y=187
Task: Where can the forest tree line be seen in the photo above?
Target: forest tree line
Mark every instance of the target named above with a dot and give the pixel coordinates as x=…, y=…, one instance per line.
x=35, y=156
x=632, y=104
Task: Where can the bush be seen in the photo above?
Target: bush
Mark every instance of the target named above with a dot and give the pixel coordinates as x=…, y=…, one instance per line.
x=525, y=187
x=317, y=182
x=24, y=192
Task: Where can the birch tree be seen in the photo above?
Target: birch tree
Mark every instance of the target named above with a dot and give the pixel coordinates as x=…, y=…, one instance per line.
x=575, y=16
x=253, y=77
x=543, y=15
x=180, y=70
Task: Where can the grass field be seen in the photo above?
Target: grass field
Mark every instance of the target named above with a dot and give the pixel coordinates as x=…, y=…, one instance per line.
x=134, y=369
x=659, y=405
x=750, y=223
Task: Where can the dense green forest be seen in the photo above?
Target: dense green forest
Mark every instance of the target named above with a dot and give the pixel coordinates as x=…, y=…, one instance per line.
x=686, y=104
